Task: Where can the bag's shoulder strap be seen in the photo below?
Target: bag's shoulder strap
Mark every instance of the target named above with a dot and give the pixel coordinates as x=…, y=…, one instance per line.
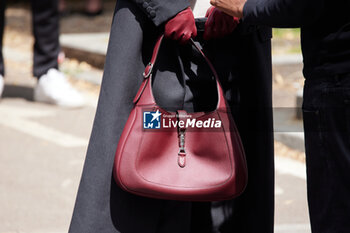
x=148, y=71
x=149, y=67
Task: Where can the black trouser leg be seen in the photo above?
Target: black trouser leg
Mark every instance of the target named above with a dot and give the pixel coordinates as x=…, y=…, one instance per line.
x=326, y=111
x=2, y=25
x=46, y=34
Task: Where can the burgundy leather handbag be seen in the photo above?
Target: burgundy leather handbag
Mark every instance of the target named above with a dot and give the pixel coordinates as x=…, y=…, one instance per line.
x=179, y=155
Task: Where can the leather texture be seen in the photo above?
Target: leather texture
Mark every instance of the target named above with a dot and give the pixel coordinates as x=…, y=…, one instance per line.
x=180, y=163
x=218, y=24
x=182, y=27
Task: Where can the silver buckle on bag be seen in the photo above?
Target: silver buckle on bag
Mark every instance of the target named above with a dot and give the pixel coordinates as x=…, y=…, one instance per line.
x=150, y=68
x=182, y=152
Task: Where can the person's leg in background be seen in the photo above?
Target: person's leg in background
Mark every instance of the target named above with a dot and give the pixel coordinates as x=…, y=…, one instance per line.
x=2, y=25
x=46, y=33
x=52, y=86
x=326, y=112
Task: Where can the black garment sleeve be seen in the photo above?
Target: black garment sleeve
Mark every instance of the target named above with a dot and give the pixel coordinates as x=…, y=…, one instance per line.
x=160, y=11
x=282, y=13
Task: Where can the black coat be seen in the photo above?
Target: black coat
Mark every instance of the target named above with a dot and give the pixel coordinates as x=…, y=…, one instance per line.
x=101, y=206
x=325, y=30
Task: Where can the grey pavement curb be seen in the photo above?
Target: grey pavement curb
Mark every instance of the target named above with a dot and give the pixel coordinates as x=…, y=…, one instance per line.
x=294, y=140
x=287, y=59
x=88, y=47
x=94, y=59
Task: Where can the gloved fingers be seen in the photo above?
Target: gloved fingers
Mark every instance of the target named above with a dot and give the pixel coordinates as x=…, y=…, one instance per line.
x=214, y=26
x=226, y=25
x=182, y=27
x=223, y=26
x=194, y=32
x=208, y=30
x=215, y=29
x=185, y=38
x=218, y=24
x=208, y=27
x=174, y=36
x=231, y=25
x=170, y=34
x=206, y=34
x=219, y=28
x=209, y=11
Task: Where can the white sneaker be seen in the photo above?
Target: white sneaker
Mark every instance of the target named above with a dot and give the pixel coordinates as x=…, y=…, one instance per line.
x=2, y=84
x=54, y=88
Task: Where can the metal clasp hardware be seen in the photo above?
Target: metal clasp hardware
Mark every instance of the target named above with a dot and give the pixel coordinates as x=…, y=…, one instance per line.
x=148, y=69
x=182, y=141
x=182, y=152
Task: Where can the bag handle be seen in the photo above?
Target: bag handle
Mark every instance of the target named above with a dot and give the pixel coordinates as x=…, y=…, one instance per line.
x=149, y=67
x=147, y=74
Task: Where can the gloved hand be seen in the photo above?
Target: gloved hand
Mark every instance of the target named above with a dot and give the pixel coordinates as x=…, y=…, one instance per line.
x=182, y=27
x=219, y=24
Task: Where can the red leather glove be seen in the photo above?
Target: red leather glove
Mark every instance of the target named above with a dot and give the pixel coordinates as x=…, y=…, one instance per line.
x=182, y=27
x=219, y=24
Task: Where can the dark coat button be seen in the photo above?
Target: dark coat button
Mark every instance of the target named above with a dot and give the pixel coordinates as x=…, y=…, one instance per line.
x=145, y=4
x=152, y=14
x=149, y=9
